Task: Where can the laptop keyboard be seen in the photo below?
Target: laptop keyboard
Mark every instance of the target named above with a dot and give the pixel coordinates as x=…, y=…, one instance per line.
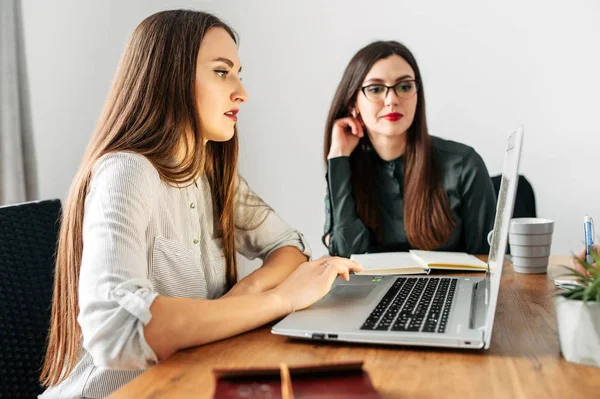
x=414, y=304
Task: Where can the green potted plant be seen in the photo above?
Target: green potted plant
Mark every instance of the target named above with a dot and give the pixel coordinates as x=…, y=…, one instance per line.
x=578, y=315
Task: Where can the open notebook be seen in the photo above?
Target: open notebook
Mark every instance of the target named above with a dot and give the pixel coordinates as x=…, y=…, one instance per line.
x=417, y=262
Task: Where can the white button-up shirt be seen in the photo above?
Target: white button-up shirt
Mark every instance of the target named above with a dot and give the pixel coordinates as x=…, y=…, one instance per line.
x=143, y=238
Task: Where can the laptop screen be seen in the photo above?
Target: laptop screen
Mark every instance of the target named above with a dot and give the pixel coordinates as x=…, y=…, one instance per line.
x=504, y=209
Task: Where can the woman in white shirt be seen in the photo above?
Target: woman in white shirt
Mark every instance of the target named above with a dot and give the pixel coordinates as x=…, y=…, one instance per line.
x=146, y=262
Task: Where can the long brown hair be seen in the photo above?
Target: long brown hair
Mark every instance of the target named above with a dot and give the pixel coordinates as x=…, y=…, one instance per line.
x=427, y=215
x=151, y=110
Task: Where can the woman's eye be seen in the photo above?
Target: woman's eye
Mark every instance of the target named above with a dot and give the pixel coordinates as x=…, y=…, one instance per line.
x=405, y=86
x=375, y=89
x=221, y=73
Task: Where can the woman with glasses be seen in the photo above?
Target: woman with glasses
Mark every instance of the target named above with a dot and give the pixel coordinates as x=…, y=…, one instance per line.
x=391, y=186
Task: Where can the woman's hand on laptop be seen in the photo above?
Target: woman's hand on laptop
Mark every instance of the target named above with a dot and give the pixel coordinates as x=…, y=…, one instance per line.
x=311, y=281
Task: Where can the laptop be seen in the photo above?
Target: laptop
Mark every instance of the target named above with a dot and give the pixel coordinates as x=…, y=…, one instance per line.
x=435, y=311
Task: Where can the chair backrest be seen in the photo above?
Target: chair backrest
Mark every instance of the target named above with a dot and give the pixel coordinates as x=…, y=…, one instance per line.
x=524, y=200
x=28, y=238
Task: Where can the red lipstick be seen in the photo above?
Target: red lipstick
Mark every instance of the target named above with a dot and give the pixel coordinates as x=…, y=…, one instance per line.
x=393, y=116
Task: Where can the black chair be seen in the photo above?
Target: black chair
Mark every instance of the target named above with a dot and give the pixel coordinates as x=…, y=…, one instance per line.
x=524, y=200
x=28, y=238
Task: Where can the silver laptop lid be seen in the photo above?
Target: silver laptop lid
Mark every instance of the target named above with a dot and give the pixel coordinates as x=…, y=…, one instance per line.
x=504, y=209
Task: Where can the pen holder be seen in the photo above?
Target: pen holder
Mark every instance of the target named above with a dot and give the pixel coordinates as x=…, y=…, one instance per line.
x=530, y=241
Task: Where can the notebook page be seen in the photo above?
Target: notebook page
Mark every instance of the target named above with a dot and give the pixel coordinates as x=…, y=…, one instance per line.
x=387, y=260
x=449, y=260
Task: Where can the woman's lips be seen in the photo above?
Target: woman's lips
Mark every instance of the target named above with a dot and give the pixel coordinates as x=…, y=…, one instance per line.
x=393, y=116
x=232, y=114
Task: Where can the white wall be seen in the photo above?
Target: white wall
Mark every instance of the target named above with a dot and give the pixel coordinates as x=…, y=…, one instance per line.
x=488, y=66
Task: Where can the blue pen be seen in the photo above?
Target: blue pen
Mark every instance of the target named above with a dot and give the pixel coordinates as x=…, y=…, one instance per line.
x=588, y=232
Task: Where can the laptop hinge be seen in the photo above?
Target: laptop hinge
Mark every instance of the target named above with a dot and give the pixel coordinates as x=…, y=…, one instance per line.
x=479, y=304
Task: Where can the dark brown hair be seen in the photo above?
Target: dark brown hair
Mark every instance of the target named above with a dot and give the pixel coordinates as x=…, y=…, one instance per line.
x=151, y=110
x=427, y=215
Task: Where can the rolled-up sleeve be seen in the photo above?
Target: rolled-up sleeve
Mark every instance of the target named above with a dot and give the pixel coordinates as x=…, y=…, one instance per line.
x=115, y=293
x=259, y=229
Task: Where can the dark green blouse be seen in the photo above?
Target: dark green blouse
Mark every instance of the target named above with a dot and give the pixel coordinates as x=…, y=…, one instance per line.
x=466, y=182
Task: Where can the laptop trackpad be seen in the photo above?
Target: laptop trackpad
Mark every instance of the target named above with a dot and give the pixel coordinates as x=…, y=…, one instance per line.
x=350, y=291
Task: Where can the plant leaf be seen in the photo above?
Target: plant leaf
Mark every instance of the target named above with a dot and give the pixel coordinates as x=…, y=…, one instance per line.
x=587, y=293
x=596, y=257
x=595, y=271
x=575, y=293
x=591, y=270
x=582, y=278
x=592, y=290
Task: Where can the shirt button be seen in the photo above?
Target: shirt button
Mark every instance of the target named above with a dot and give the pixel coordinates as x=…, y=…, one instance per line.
x=192, y=205
x=196, y=241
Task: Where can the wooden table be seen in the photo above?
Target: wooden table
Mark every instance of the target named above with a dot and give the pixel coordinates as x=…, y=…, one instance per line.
x=524, y=359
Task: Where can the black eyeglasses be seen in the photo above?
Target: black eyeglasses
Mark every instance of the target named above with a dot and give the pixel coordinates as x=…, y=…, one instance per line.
x=378, y=92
